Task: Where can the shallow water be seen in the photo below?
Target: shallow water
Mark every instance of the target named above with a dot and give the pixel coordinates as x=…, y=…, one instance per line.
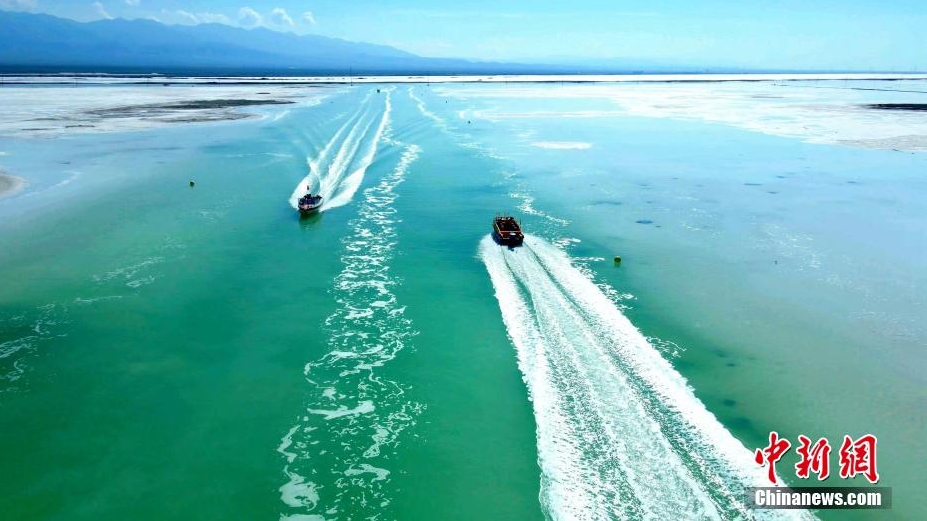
x=169, y=351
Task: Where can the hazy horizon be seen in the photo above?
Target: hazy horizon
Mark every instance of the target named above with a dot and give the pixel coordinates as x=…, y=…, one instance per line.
x=825, y=36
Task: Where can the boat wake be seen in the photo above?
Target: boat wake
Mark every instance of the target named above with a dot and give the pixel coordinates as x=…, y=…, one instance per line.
x=338, y=452
x=338, y=170
x=440, y=123
x=27, y=332
x=620, y=433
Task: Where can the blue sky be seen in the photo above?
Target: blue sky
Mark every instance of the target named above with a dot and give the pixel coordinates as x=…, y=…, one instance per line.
x=806, y=34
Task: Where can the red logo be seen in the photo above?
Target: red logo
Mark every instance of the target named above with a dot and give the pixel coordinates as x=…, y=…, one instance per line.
x=856, y=457
x=771, y=454
x=813, y=459
x=859, y=457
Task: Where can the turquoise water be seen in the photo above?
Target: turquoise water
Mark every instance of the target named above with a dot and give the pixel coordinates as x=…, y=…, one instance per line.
x=169, y=352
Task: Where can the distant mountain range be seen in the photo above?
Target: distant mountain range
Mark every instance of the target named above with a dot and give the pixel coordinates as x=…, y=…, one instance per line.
x=43, y=43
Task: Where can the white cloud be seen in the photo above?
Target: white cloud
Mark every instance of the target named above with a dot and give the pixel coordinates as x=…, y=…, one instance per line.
x=101, y=11
x=19, y=5
x=309, y=18
x=280, y=16
x=133, y=3
x=250, y=17
x=213, y=18
x=188, y=17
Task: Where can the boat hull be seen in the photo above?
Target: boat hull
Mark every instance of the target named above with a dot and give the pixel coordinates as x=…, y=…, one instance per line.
x=309, y=210
x=508, y=239
x=309, y=205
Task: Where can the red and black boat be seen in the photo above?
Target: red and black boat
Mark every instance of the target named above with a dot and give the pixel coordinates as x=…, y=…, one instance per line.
x=507, y=231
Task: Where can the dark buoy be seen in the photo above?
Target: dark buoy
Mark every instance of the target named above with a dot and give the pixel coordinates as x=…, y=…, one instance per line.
x=192, y=184
x=617, y=260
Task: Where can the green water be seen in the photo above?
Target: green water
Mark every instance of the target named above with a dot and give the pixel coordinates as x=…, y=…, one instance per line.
x=167, y=328
x=169, y=352
x=786, y=276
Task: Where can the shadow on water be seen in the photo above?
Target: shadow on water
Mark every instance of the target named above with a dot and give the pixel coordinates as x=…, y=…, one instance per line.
x=307, y=222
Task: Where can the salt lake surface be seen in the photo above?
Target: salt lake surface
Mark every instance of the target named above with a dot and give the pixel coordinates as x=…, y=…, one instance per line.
x=177, y=352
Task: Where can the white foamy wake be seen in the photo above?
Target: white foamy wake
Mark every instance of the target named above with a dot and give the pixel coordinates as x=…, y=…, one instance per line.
x=280, y=115
x=620, y=433
x=526, y=205
x=347, y=186
x=338, y=170
x=332, y=156
x=30, y=331
x=427, y=113
x=334, y=467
